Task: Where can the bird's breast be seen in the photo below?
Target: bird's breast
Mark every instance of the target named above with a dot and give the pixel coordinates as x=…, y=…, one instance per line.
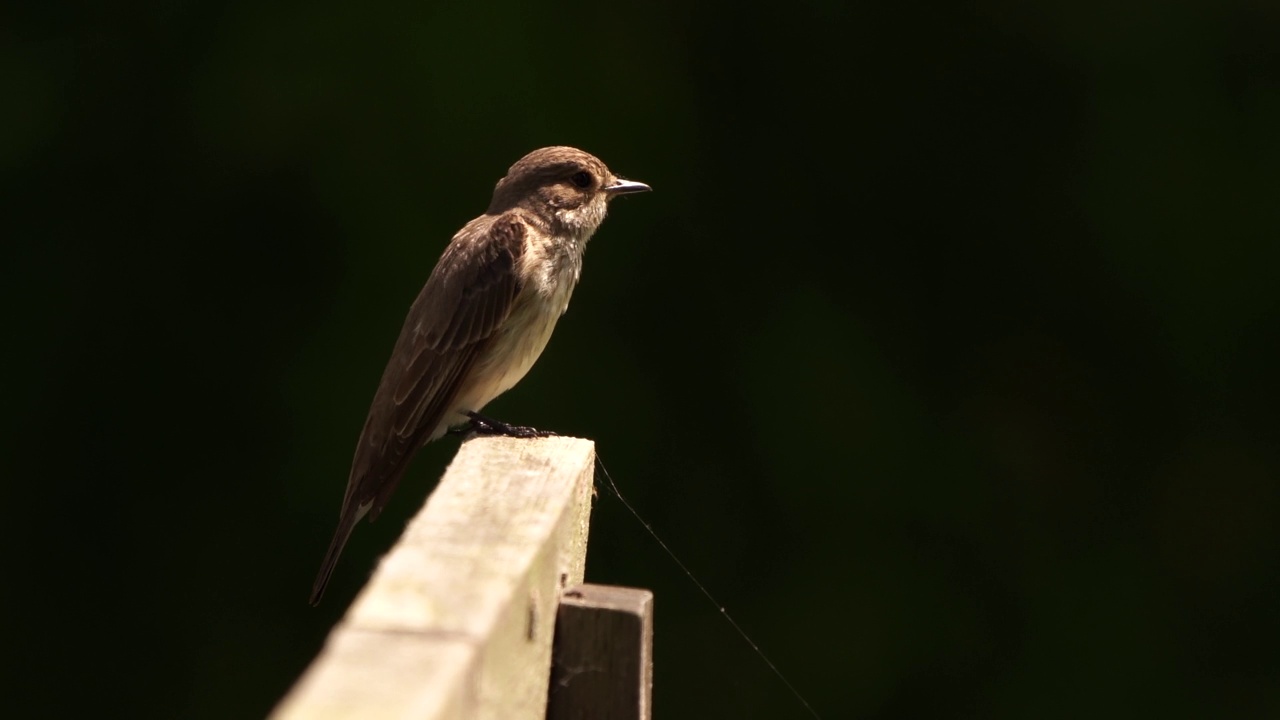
x=548, y=282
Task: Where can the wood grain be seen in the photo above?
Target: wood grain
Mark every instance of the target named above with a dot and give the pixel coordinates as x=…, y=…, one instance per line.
x=458, y=619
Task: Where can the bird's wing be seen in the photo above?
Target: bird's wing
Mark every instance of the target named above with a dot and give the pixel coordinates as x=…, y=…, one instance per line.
x=449, y=325
x=466, y=299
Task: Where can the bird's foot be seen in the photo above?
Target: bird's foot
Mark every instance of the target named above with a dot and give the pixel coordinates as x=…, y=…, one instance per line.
x=481, y=425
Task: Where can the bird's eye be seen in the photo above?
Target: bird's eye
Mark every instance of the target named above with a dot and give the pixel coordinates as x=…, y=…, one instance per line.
x=581, y=179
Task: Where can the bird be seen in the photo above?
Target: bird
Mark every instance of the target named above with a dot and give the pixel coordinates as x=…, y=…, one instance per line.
x=481, y=320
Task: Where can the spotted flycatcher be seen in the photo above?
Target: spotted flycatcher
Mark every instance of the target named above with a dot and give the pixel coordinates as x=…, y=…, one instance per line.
x=479, y=323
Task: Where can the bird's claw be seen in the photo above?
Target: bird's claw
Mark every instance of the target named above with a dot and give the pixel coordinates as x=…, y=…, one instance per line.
x=481, y=425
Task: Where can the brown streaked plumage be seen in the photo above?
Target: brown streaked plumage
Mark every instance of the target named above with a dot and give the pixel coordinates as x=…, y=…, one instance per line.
x=480, y=322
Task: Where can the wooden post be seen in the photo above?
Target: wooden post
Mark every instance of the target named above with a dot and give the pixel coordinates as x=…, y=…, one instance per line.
x=457, y=621
x=602, y=666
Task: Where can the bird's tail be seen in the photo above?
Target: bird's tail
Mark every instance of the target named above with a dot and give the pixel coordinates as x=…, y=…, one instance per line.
x=346, y=524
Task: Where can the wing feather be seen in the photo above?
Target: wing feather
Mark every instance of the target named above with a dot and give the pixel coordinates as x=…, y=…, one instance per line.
x=449, y=326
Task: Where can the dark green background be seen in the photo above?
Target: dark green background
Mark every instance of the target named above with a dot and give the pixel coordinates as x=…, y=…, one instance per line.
x=944, y=351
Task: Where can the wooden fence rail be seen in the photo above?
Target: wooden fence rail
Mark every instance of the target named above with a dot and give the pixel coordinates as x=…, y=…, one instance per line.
x=459, y=619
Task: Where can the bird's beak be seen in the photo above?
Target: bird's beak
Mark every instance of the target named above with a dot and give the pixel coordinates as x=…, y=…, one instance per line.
x=625, y=187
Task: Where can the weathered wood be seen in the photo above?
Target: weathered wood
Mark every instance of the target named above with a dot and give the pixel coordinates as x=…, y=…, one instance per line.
x=602, y=665
x=457, y=621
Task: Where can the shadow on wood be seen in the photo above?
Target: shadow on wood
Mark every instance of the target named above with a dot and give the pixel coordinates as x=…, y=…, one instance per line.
x=602, y=665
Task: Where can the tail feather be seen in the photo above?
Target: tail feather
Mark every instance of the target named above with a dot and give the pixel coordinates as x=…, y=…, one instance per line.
x=346, y=524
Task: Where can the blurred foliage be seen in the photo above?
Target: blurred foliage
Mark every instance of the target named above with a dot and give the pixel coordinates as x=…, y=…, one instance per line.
x=943, y=352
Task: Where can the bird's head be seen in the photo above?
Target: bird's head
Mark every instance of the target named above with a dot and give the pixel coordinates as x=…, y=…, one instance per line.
x=566, y=187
